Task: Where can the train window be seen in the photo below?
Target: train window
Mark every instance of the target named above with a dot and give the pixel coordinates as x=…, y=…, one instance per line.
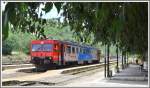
x=91, y=51
x=68, y=49
x=41, y=47
x=81, y=50
x=87, y=51
x=94, y=52
x=77, y=49
x=73, y=49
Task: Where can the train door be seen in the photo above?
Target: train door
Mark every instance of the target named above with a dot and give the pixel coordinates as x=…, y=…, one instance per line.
x=62, y=54
x=67, y=53
x=77, y=53
x=70, y=53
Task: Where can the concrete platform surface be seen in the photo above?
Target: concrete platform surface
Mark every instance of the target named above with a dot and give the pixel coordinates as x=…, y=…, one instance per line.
x=98, y=79
x=131, y=73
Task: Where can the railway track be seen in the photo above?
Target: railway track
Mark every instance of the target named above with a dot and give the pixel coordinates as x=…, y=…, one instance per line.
x=84, y=69
x=65, y=75
x=7, y=66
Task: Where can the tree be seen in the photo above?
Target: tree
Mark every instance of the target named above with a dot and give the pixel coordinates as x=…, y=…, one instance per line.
x=122, y=24
x=22, y=16
x=134, y=37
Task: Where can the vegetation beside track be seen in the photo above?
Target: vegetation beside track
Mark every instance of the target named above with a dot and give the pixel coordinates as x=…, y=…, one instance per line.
x=15, y=59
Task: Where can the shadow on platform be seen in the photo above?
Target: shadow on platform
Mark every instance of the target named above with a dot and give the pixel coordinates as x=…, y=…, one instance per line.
x=131, y=73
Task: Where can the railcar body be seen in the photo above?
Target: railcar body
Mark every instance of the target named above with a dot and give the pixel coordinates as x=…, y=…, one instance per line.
x=54, y=52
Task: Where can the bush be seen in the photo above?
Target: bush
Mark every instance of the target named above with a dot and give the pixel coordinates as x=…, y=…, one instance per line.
x=8, y=45
x=6, y=48
x=17, y=42
x=26, y=48
x=25, y=45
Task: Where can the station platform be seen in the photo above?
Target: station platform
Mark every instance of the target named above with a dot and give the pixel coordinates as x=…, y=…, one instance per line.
x=131, y=73
x=132, y=76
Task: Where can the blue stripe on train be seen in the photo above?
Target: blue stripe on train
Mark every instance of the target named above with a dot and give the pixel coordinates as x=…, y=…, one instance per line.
x=82, y=57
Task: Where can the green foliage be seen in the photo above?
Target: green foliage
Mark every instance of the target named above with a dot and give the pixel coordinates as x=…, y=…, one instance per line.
x=121, y=24
x=17, y=41
x=54, y=30
x=22, y=16
x=48, y=7
x=24, y=40
x=102, y=48
x=5, y=25
x=134, y=37
x=8, y=45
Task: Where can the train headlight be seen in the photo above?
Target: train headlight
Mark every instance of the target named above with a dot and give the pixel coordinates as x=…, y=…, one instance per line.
x=42, y=42
x=50, y=58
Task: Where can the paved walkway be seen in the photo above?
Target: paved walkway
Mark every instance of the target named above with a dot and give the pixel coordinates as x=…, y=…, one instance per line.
x=98, y=80
x=132, y=73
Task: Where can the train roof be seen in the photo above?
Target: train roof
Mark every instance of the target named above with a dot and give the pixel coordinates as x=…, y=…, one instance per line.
x=78, y=44
x=69, y=42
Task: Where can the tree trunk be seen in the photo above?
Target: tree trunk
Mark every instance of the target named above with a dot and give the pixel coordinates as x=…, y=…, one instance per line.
x=122, y=61
x=108, y=61
x=117, y=68
x=105, y=61
x=127, y=59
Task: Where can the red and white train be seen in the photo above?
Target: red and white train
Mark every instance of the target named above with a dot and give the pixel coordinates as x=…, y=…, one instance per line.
x=46, y=53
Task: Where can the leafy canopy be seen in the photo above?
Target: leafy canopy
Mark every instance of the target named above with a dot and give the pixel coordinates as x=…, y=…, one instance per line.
x=123, y=24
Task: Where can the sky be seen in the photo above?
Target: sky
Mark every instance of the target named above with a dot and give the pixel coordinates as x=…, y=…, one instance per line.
x=51, y=14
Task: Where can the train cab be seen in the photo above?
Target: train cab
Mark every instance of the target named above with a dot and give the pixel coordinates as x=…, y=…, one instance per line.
x=45, y=52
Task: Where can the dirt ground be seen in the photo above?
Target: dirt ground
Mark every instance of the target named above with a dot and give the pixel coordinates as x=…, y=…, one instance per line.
x=15, y=59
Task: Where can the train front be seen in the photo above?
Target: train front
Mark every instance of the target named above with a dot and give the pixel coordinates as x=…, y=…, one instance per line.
x=43, y=53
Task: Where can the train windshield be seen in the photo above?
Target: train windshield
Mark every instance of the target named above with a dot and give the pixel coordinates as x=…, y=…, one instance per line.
x=41, y=47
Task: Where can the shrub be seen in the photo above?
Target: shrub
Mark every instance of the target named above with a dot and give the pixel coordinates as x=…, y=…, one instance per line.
x=17, y=42
x=8, y=45
x=6, y=48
